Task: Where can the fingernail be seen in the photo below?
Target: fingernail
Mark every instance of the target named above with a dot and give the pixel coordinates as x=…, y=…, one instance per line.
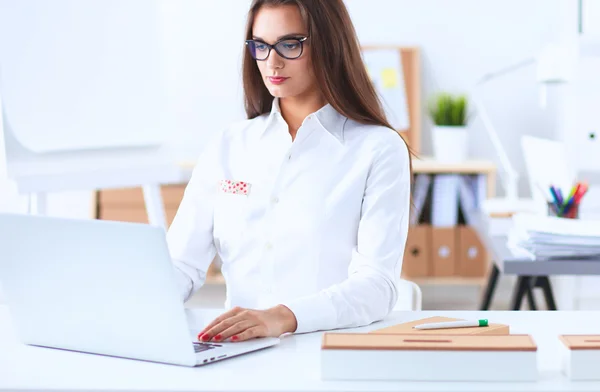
x=218, y=337
x=234, y=337
x=205, y=338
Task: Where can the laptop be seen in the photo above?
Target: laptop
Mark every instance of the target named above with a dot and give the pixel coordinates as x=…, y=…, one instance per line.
x=101, y=287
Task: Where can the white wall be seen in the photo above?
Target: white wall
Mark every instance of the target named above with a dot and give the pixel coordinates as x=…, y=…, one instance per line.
x=591, y=16
x=460, y=40
x=463, y=39
x=204, y=43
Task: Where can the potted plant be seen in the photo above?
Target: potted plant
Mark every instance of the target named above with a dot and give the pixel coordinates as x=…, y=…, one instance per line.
x=449, y=133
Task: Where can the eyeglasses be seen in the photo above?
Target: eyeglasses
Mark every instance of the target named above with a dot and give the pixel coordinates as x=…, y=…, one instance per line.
x=288, y=48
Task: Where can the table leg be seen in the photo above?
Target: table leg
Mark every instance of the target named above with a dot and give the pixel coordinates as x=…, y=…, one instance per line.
x=544, y=283
x=521, y=289
x=490, y=287
x=530, y=298
x=154, y=205
x=37, y=203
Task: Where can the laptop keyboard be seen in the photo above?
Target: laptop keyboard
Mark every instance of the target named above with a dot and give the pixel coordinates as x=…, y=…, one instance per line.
x=199, y=347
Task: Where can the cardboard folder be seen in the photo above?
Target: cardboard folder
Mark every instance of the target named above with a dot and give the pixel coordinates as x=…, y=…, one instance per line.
x=417, y=262
x=407, y=328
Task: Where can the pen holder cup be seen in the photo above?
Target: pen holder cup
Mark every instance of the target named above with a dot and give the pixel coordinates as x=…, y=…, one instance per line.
x=570, y=213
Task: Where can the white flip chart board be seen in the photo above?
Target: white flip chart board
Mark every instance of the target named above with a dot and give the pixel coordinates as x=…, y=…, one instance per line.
x=82, y=74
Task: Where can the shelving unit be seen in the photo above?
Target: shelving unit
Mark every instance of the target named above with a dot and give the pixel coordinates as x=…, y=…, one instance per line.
x=128, y=205
x=449, y=281
x=487, y=169
x=485, y=172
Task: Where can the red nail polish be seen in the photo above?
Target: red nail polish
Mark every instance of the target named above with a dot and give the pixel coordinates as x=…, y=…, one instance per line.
x=234, y=338
x=218, y=337
x=205, y=338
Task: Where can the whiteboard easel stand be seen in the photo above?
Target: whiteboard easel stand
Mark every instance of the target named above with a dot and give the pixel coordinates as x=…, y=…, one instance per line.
x=37, y=174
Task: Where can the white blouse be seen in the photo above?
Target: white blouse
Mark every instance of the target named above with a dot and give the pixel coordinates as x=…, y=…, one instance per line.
x=318, y=224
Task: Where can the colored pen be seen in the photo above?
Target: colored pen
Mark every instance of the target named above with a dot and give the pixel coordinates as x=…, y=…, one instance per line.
x=568, y=202
x=581, y=190
x=574, y=190
x=559, y=196
x=565, y=209
x=453, y=324
x=555, y=196
x=544, y=193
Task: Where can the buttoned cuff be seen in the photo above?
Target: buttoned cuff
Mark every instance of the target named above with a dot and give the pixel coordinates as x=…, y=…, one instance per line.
x=313, y=313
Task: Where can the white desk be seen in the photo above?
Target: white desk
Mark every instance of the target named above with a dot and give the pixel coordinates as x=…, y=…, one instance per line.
x=294, y=365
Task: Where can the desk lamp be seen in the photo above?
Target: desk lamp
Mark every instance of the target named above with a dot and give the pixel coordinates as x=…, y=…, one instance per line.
x=556, y=64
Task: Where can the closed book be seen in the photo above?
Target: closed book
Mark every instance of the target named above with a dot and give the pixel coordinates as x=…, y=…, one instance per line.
x=407, y=328
x=581, y=356
x=365, y=356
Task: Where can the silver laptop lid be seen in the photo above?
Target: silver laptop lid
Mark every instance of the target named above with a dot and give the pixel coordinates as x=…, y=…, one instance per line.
x=93, y=286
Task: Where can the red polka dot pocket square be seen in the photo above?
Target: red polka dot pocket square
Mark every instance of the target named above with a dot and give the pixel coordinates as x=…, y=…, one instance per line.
x=235, y=187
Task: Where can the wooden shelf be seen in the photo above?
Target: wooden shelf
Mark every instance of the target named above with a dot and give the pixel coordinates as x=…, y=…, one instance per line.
x=122, y=204
x=421, y=165
x=217, y=278
x=448, y=281
x=431, y=166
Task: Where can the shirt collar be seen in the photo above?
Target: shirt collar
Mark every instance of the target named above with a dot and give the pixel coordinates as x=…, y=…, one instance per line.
x=327, y=118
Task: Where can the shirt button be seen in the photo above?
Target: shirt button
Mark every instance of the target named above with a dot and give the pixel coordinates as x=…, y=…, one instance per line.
x=275, y=200
x=268, y=246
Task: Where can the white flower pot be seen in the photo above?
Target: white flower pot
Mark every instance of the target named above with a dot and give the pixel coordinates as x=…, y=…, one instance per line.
x=449, y=143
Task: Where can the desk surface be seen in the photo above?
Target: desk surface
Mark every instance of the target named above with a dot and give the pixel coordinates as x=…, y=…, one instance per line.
x=509, y=264
x=293, y=365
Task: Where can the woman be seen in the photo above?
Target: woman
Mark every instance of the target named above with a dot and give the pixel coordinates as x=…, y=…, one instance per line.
x=307, y=201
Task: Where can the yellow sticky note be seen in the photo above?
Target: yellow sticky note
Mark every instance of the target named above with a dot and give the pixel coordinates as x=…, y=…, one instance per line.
x=389, y=78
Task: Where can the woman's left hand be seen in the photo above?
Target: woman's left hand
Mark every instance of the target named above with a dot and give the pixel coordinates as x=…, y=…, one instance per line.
x=239, y=324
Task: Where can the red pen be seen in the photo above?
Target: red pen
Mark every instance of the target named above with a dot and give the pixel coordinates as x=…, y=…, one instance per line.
x=581, y=190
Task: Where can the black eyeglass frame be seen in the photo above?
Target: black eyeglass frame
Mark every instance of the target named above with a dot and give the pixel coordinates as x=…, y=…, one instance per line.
x=274, y=46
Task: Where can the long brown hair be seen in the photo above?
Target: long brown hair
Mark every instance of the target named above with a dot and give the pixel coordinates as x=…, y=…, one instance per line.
x=336, y=57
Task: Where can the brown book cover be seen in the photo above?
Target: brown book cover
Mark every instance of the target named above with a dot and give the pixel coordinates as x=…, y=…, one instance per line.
x=365, y=341
x=581, y=342
x=407, y=328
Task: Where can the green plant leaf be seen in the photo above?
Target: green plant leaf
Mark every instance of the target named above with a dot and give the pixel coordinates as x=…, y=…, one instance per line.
x=448, y=110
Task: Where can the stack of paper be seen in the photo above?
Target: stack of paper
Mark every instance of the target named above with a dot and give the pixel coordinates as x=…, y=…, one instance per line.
x=548, y=237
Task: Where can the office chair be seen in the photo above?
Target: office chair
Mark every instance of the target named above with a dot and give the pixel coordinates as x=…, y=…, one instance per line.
x=409, y=296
